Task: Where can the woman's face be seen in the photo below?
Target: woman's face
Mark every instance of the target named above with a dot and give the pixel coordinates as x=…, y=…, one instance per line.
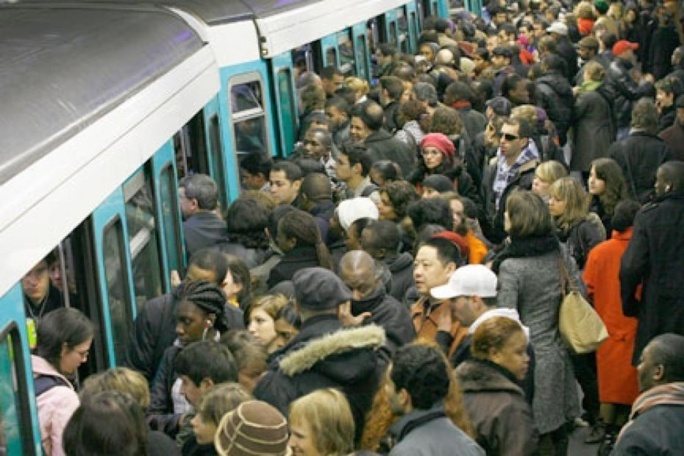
x=262, y=327
x=204, y=429
x=284, y=243
x=595, y=185
x=556, y=206
x=540, y=187
x=432, y=157
x=285, y=332
x=191, y=323
x=72, y=357
x=427, y=52
x=513, y=355
x=385, y=208
x=230, y=287
x=302, y=439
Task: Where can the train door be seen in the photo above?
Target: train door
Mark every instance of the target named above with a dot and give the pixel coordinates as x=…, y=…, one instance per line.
x=19, y=430
x=413, y=19
x=389, y=29
x=361, y=50
x=285, y=98
x=212, y=133
x=329, y=54
x=403, y=41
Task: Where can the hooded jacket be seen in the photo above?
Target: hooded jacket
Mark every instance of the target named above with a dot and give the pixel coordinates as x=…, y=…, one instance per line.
x=554, y=94
x=497, y=408
x=401, y=268
x=324, y=355
x=55, y=407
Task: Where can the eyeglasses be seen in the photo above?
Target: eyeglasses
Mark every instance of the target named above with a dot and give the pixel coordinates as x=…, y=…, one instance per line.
x=509, y=137
x=83, y=354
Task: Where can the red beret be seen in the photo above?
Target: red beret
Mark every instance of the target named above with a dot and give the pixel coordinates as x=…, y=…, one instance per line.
x=438, y=141
x=455, y=239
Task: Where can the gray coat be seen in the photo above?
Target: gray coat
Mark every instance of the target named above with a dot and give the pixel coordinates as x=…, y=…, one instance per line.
x=532, y=286
x=593, y=129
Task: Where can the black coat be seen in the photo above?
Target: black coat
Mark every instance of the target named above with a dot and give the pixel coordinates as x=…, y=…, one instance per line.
x=294, y=260
x=654, y=258
x=566, y=50
x=624, y=90
x=639, y=155
x=205, y=229
x=554, y=95
x=324, y=355
x=383, y=146
x=160, y=415
x=391, y=315
x=401, y=268
x=594, y=128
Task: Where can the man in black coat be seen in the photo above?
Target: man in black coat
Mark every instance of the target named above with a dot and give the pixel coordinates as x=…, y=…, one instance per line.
x=654, y=259
x=371, y=303
x=554, y=95
x=323, y=354
x=564, y=48
x=367, y=120
x=657, y=418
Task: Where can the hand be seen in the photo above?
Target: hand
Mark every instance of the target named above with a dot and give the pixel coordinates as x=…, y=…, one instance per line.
x=648, y=77
x=175, y=279
x=575, y=90
x=347, y=319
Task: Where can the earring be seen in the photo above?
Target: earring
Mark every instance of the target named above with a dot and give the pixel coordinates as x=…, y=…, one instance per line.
x=207, y=327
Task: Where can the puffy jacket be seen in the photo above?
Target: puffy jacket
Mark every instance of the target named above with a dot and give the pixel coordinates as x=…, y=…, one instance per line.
x=554, y=94
x=55, y=407
x=324, y=355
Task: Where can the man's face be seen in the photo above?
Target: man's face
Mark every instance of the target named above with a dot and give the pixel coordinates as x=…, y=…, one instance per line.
x=358, y=131
x=330, y=85
x=360, y=280
x=252, y=181
x=336, y=117
x=343, y=169
x=36, y=283
x=660, y=185
x=499, y=61
x=510, y=141
x=539, y=30
x=283, y=191
x=314, y=145
x=188, y=205
x=429, y=271
x=646, y=370
x=396, y=398
x=664, y=99
x=586, y=53
x=462, y=309
x=192, y=392
x=519, y=95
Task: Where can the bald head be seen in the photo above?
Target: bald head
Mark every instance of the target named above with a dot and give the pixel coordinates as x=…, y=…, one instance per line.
x=673, y=175
x=316, y=187
x=359, y=272
x=444, y=57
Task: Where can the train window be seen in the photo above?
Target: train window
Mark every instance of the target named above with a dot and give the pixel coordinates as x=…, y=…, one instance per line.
x=142, y=238
x=403, y=27
x=217, y=158
x=170, y=216
x=120, y=312
x=191, y=147
x=346, y=49
x=331, y=56
x=248, y=114
x=361, y=57
x=14, y=415
x=393, y=32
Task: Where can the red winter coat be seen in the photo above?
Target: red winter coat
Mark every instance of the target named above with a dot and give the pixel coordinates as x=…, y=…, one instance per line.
x=617, y=378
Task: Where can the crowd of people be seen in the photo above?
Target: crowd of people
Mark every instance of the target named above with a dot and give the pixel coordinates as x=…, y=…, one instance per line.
x=394, y=285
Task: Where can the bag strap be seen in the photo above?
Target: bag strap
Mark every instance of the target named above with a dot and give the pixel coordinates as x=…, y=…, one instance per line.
x=567, y=284
x=44, y=383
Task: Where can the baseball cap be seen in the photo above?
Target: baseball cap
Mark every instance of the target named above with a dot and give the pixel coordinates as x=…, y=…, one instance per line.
x=350, y=210
x=623, y=46
x=558, y=27
x=469, y=280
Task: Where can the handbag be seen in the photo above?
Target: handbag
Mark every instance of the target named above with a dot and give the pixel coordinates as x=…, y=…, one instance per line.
x=581, y=328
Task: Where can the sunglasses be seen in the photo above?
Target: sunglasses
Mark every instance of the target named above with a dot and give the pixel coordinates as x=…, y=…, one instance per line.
x=509, y=137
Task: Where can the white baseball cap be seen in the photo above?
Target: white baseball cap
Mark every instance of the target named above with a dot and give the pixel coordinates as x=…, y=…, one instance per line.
x=469, y=280
x=558, y=27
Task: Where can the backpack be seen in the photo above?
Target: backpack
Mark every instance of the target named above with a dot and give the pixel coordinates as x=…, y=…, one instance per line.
x=44, y=383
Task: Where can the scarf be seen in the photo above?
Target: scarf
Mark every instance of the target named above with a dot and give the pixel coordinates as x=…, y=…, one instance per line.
x=590, y=86
x=526, y=248
x=667, y=394
x=506, y=174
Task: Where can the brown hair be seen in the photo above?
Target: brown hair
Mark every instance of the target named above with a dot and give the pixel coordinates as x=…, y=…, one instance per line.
x=221, y=399
x=570, y=191
x=121, y=379
x=493, y=334
x=528, y=215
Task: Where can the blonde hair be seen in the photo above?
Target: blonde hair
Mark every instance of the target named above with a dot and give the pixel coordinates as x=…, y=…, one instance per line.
x=570, y=191
x=358, y=85
x=550, y=171
x=329, y=418
x=121, y=379
x=271, y=304
x=595, y=71
x=526, y=112
x=221, y=399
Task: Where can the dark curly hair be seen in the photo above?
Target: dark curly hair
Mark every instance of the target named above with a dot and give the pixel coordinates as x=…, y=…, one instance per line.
x=245, y=223
x=422, y=371
x=400, y=194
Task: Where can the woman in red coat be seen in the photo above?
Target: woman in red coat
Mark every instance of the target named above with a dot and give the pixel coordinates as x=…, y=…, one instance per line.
x=617, y=379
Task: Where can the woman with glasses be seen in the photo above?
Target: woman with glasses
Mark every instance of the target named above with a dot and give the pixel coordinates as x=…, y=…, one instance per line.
x=64, y=339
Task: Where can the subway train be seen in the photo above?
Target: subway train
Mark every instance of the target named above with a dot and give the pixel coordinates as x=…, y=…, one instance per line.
x=105, y=105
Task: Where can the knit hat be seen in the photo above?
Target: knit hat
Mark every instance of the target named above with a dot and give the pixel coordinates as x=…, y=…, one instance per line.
x=439, y=141
x=254, y=427
x=623, y=46
x=589, y=42
x=353, y=209
x=439, y=182
x=319, y=289
x=601, y=6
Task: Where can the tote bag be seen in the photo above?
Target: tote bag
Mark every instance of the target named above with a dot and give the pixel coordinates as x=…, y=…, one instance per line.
x=581, y=328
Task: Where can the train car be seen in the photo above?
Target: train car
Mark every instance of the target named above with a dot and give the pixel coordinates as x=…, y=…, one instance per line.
x=104, y=105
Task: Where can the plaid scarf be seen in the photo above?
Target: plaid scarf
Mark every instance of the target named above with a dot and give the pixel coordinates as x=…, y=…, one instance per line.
x=667, y=394
x=506, y=174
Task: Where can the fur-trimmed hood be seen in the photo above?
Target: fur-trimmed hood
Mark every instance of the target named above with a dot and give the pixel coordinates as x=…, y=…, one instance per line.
x=344, y=355
x=478, y=376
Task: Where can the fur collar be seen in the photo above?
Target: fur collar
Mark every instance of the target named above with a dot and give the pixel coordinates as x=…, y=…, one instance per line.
x=479, y=376
x=339, y=342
